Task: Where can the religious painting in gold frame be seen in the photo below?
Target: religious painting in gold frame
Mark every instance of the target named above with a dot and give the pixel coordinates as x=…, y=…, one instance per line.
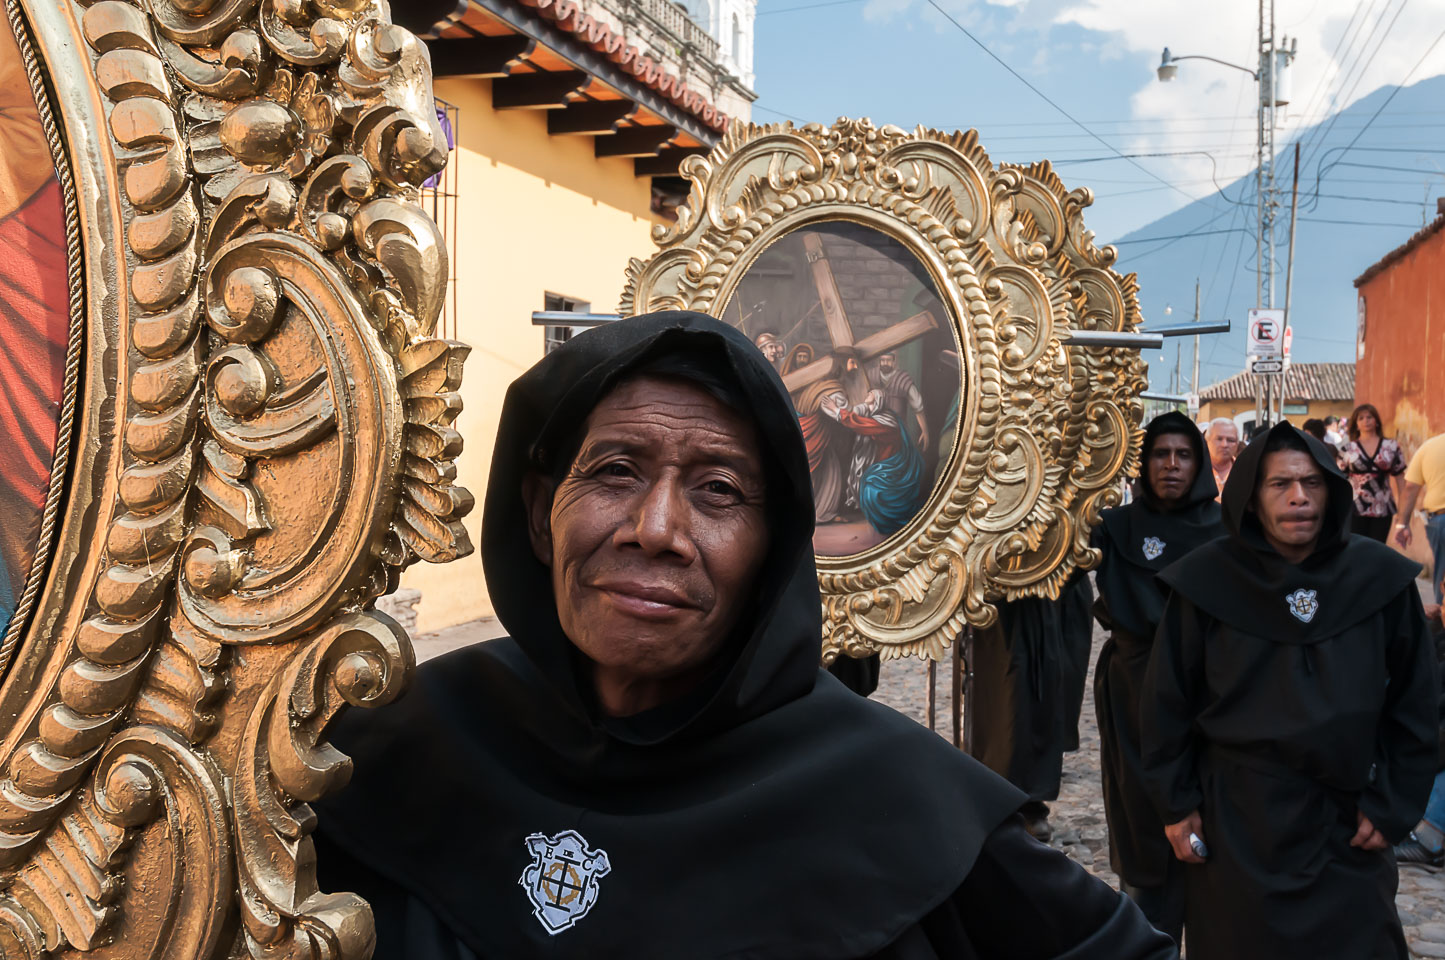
x=1045, y=429
x=242, y=431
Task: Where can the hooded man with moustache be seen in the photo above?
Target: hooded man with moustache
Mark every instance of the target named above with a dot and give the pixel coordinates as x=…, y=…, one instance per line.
x=1288, y=717
x=653, y=766
x=1174, y=512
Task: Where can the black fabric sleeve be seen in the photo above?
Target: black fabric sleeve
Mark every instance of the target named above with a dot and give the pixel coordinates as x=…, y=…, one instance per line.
x=1404, y=768
x=1024, y=900
x=1168, y=704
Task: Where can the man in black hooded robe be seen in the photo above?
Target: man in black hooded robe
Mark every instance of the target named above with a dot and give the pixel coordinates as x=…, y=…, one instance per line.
x=1288, y=717
x=1175, y=511
x=1028, y=688
x=504, y=808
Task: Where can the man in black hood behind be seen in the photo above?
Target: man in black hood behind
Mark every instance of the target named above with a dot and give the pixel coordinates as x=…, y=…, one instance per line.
x=559, y=794
x=1176, y=510
x=1288, y=717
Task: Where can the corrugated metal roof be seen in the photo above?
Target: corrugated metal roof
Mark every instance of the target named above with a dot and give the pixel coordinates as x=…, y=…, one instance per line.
x=1302, y=381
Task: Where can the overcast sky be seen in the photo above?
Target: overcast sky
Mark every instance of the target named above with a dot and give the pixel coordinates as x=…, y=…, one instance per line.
x=903, y=62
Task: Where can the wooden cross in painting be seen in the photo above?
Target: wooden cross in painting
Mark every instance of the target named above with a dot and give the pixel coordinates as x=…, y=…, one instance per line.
x=845, y=349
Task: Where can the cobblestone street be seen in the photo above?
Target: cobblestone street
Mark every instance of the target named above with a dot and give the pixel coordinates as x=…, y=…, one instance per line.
x=1078, y=815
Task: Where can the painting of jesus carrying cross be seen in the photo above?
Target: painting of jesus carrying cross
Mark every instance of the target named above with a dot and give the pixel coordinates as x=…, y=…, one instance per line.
x=855, y=327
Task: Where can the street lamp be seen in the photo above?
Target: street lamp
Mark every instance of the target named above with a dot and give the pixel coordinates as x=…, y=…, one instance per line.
x=1167, y=69
x=1275, y=58
x=1274, y=61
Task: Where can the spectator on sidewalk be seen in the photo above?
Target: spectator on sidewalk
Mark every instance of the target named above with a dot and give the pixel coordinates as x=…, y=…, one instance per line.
x=1373, y=462
x=1334, y=435
x=1288, y=759
x=1426, y=469
x=1426, y=843
x=1223, y=439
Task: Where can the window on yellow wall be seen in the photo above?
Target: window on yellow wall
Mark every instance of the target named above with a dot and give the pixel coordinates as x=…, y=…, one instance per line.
x=558, y=334
x=439, y=196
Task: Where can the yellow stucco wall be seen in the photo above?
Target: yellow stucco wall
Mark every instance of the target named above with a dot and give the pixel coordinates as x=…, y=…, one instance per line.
x=1210, y=409
x=536, y=214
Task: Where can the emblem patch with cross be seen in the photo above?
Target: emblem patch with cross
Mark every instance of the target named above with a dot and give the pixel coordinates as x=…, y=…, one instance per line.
x=561, y=880
x=1303, y=604
x=1153, y=548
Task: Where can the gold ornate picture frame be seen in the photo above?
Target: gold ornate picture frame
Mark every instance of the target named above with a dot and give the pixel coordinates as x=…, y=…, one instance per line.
x=1046, y=428
x=255, y=436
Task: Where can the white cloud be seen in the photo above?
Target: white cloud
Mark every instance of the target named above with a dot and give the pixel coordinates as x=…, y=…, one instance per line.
x=1342, y=57
x=1347, y=49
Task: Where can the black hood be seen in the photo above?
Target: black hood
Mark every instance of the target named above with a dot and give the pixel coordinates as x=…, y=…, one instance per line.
x=774, y=657
x=1142, y=538
x=1245, y=582
x=1204, y=488
x=1242, y=522
x=772, y=814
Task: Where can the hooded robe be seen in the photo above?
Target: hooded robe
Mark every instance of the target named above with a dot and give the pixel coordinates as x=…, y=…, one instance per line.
x=1282, y=700
x=769, y=815
x=1137, y=541
x=1076, y=602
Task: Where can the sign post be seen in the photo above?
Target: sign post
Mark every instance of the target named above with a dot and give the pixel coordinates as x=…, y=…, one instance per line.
x=1267, y=349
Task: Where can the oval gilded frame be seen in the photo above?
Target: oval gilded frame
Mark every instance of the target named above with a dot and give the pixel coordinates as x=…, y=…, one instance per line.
x=262, y=436
x=1047, y=428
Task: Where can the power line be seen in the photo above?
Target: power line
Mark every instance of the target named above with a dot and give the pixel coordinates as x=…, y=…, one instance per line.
x=1361, y=223
x=1323, y=84
x=1395, y=90
x=1359, y=77
x=1177, y=236
x=1044, y=97
x=1343, y=77
x=806, y=6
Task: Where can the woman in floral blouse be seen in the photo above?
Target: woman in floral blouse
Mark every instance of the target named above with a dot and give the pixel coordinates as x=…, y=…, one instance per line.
x=1372, y=461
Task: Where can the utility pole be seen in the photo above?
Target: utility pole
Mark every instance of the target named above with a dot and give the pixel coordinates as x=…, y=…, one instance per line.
x=1271, y=76
x=1194, y=380
x=1289, y=268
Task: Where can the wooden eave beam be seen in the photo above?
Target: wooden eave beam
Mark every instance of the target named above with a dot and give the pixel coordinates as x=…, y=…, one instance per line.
x=493, y=57
x=569, y=47
x=537, y=91
x=635, y=142
x=597, y=118
x=665, y=164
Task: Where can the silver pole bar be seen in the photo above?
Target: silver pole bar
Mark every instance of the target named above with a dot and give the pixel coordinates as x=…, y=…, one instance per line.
x=561, y=318
x=1164, y=397
x=1146, y=340
x=1112, y=338
x=1189, y=329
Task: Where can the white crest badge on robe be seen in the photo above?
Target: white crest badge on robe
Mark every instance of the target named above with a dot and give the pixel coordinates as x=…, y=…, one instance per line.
x=1153, y=548
x=1303, y=605
x=561, y=880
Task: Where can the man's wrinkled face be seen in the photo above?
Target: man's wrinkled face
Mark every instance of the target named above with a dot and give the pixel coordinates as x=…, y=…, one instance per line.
x=1290, y=499
x=1223, y=440
x=656, y=534
x=1172, y=467
x=887, y=364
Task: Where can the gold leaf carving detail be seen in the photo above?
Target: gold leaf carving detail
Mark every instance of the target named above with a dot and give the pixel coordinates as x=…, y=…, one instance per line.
x=1047, y=428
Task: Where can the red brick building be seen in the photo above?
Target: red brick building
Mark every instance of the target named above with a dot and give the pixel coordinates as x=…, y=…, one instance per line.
x=1400, y=345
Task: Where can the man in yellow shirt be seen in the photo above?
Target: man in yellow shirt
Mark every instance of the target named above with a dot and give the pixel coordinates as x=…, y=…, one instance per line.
x=1427, y=469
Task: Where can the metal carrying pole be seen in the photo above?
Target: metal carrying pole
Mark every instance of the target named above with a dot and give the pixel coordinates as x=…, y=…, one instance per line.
x=932, y=695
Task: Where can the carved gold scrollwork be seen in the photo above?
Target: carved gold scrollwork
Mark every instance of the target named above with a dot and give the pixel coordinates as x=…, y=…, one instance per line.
x=1046, y=428
x=286, y=445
